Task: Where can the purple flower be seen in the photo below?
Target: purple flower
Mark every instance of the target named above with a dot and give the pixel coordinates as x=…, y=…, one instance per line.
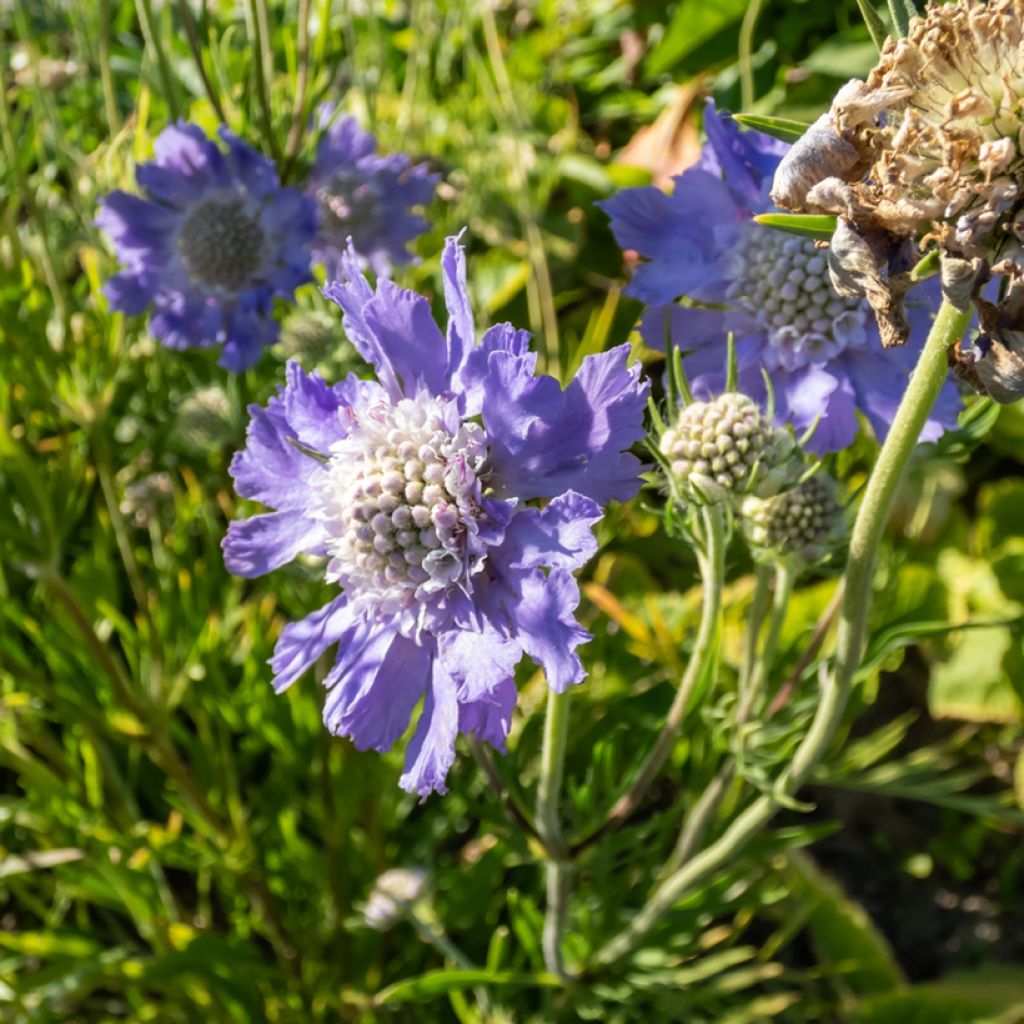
x=210, y=245
x=365, y=196
x=415, y=489
x=822, y=352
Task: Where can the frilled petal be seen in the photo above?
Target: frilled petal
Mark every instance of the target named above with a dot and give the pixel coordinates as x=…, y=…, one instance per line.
x=407, y=335
x=558, y=536
x=546, y=441
x=490, y=719
x=375, y=684
x=746, y=160
x=468, y=379
x=461, y=331
x=547, y=627
x=246, y=335
x=302, y=642
x=815, y=393
x=260, y=544
x=478, y=660
x=432, y=749
x=133, y=222
x=272, y=468
x=879, y=380
x=684, y=327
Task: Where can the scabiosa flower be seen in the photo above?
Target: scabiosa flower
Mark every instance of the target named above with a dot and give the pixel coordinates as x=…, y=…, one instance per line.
x=415, y=488
x=772, y=290
x=211, y=244
x=365, y=196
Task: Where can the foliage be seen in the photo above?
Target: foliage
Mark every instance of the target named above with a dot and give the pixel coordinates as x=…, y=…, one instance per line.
x=177, y=840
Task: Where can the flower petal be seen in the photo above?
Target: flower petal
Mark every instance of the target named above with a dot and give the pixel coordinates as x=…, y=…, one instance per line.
x=432, y=750
x=302, y=642
x=260, y=544
x=558, y=536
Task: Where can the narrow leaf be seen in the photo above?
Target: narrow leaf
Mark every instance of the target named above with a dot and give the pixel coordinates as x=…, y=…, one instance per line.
x=438, y=983
x=783, y=128
x=902, y=11
x=806, y=225
x=876, y=27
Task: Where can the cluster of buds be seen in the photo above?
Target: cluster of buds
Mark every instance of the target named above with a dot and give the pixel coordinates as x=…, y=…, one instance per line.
x=723, y=448
x=927, y=155
x=802, y=524
x=727, y=451
x=315, y=340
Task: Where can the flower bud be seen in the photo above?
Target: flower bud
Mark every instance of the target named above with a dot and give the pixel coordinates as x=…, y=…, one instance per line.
x=204, y=419
x=800, y=524
x=723, y=447
x=316, y=341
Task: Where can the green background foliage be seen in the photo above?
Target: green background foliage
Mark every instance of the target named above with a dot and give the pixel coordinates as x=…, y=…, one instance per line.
x=177, y=843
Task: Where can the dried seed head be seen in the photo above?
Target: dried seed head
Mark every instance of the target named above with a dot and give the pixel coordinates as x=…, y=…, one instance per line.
x=803, y=523
x=936, y=142
x=724, y=447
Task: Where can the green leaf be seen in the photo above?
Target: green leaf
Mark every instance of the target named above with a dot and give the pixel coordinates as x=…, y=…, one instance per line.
x=876, y=27
x=806, y=225
x=987, y=995
x=439, y=983
x=694, y=22
x=902, y=11
x=844, y=936
x=972, y=685
x=777, y=127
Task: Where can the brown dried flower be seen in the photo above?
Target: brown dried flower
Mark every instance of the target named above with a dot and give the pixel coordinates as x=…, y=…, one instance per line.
x=930, y=147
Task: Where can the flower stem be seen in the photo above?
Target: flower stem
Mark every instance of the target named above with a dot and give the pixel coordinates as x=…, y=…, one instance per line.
x=558, y=869
x=712, y=565
x=872, y=518
x=785, y=577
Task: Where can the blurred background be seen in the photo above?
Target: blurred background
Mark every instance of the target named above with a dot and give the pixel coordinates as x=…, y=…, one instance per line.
x=176, y=842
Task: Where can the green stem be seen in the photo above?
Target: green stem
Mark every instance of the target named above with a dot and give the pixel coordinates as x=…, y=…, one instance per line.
x=295, y=131
x=745, y=49
x=872, y=518
x=712, y=565
x=264, y=67
x=144, y=8
x=192, y=35
x=756, y=666
x=785, y=577
x=106, y=74
x=558, y=868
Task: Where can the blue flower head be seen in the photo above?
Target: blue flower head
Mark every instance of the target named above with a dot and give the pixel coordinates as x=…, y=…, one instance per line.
x=822, y=351
x=415, y=487
x=365, y=196
x=212, y=242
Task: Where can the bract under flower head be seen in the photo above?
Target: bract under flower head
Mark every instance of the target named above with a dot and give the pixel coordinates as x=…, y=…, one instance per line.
x=210, y=244
x=771, y=290
x=365, y=196
x=415, y=487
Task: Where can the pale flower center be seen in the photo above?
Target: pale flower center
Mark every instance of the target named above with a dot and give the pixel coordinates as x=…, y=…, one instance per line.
x=401, y=503
x=222, y=243
x=781, y=283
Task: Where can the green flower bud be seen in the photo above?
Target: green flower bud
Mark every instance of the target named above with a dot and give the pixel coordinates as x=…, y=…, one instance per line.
x=725, y=447
x=803, y=523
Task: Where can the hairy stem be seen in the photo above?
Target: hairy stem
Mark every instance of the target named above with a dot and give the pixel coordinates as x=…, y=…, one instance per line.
x=558, y=869
x=872, y=518
x=712, y=565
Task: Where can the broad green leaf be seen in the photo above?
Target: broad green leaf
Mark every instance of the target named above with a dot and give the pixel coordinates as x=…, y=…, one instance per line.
x=972, y=684
x=902, y=11
x=988, y=995
x=694, y=22
x=844, y=936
